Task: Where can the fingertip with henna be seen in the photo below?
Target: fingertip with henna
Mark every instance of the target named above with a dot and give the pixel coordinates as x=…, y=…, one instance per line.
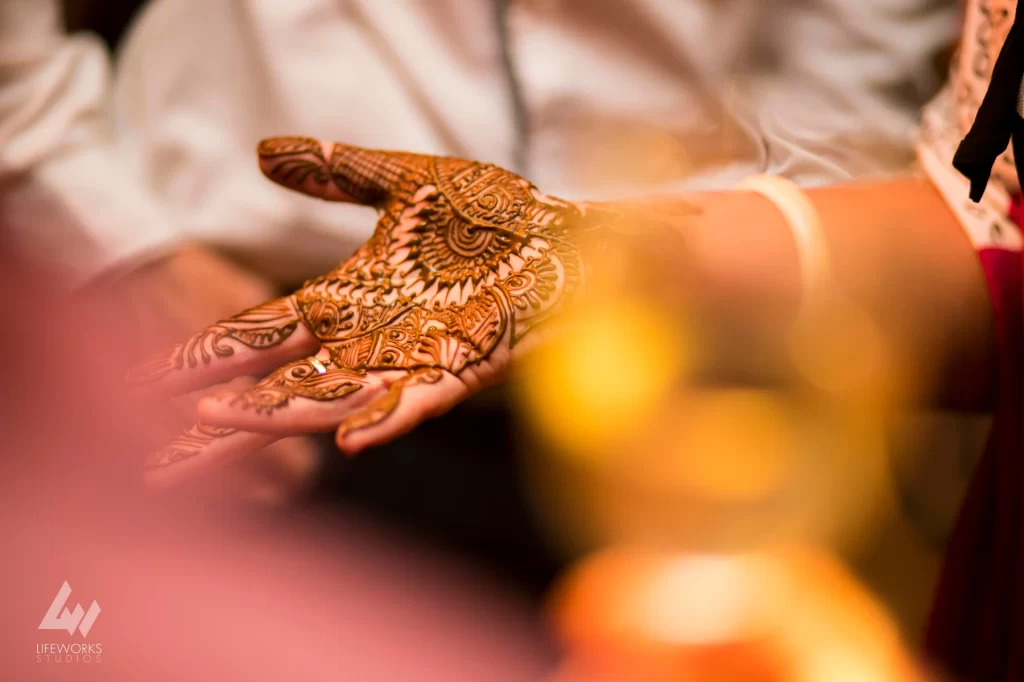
x=196, y=450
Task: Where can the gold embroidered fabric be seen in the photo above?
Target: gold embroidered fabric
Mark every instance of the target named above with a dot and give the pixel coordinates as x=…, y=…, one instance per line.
x=950, y=115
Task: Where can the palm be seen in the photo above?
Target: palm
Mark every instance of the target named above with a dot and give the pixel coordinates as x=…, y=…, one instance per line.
x=466, y=258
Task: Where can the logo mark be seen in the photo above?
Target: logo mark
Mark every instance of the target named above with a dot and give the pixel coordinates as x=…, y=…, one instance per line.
x=69, y=620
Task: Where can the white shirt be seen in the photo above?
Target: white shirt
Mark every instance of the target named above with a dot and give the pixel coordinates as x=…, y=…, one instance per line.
x=618, y=98
x=65, y=195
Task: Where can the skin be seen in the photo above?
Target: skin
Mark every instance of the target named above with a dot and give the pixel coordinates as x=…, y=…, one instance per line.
x=896, y=251
x=180, y=292
x=465, y=261
x=468, y=260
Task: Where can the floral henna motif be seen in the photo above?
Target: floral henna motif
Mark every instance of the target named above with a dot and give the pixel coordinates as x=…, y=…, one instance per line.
x=306, y=378
x=465, y=256
x=386, y=404
x=261, y=327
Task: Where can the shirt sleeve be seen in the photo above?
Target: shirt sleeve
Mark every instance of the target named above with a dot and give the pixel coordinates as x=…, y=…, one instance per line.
x=67, y=199
x=845, y=83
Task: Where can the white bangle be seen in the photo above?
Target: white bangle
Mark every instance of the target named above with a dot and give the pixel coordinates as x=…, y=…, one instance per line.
x=804, y=224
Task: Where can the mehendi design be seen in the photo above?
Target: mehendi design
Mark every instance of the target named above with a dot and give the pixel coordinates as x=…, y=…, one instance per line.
x=189, y=444
x=465, y=257
x=298, y=379
x=264, y=326
x=386, y=404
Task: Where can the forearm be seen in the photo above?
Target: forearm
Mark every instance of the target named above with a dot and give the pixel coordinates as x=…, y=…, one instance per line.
x=896, y=252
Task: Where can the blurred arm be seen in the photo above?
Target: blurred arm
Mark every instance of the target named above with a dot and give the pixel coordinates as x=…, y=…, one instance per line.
x=65, y=195
x=896, y=251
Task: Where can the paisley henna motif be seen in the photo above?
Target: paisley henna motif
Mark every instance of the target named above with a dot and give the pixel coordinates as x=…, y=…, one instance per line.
x=386, y=404
x=264, y=326
x=465, y=257
x=299, y=379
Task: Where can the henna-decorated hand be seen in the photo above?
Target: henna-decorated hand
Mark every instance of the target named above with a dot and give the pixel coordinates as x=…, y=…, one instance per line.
x=174, y=295
x=465, y=260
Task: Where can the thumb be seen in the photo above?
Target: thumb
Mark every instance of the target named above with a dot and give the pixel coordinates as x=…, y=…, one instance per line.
x=340, y=172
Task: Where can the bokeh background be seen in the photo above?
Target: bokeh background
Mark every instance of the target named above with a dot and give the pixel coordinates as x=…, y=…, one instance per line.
x=458, y=552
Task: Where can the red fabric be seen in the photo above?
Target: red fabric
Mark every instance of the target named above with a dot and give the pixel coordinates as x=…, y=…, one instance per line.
x=976, y=630
x=1015, y=210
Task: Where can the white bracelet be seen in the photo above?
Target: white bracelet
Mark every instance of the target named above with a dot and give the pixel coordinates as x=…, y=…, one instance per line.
x=804, y=223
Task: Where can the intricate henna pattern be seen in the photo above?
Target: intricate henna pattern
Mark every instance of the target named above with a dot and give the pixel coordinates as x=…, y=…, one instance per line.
x=465, y=257
x=386, y=404
x=264, y=326
x=189, y=444
x=299, y=379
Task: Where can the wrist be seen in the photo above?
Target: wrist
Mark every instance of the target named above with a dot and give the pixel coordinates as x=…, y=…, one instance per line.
x=726, y=261
x=744, y=256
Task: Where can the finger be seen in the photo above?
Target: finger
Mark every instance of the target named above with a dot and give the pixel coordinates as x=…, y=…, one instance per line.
x=307, y=396
x=339, y=172
x=272, y=475
x=409, y=401
x=252, y=342
x=281, y=470
x=198, y=449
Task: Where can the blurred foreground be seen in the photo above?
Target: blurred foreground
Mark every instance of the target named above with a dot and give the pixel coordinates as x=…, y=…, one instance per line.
x=724, y=507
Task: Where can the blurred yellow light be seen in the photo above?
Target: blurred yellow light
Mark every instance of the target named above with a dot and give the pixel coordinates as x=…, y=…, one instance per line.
x=702, y=599
x=796, y=615
x=604, y=377
x=629, y=156
x=734, y=445
x=840, y=349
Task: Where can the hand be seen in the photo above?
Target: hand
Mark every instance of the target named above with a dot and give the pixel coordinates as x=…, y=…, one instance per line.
x=181, y=292
x=466, y=260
